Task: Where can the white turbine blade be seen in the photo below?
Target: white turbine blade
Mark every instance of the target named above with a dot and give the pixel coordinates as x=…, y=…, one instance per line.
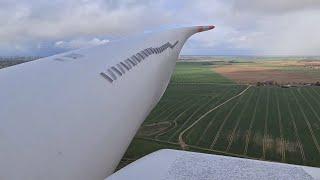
x=73, y=115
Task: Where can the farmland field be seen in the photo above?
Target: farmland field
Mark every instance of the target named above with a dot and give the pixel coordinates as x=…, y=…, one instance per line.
x=204, y=111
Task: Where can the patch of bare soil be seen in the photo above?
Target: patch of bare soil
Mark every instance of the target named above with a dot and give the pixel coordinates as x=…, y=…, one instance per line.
x=276, y=144
x=153, y=129
x=254, y=74
x=311, y=64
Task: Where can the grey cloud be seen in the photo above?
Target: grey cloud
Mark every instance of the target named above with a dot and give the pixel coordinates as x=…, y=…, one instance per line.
x=275, y=6
x=80, y=43
x=255, y=26
x=65, y=19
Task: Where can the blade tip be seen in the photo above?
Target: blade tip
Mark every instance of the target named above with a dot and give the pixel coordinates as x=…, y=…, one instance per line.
x=205, y=28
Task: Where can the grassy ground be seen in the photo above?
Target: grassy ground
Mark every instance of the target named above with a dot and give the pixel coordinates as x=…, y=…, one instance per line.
x=268, y=123
x=197, y=72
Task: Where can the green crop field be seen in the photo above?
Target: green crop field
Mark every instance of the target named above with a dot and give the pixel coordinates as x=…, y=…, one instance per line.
x=197, y=72
x=203, y=111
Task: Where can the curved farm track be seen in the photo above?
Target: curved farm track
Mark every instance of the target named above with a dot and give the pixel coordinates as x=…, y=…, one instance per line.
x=182, y=142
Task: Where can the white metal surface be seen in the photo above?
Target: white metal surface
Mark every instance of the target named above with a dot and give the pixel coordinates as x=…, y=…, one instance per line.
x=183, y=165
x=73, y=115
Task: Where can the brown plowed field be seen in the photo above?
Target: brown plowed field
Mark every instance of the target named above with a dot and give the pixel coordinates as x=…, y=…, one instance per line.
x=292, y=72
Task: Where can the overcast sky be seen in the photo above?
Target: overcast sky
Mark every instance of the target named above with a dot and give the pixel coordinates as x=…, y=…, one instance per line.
x=243, y=27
